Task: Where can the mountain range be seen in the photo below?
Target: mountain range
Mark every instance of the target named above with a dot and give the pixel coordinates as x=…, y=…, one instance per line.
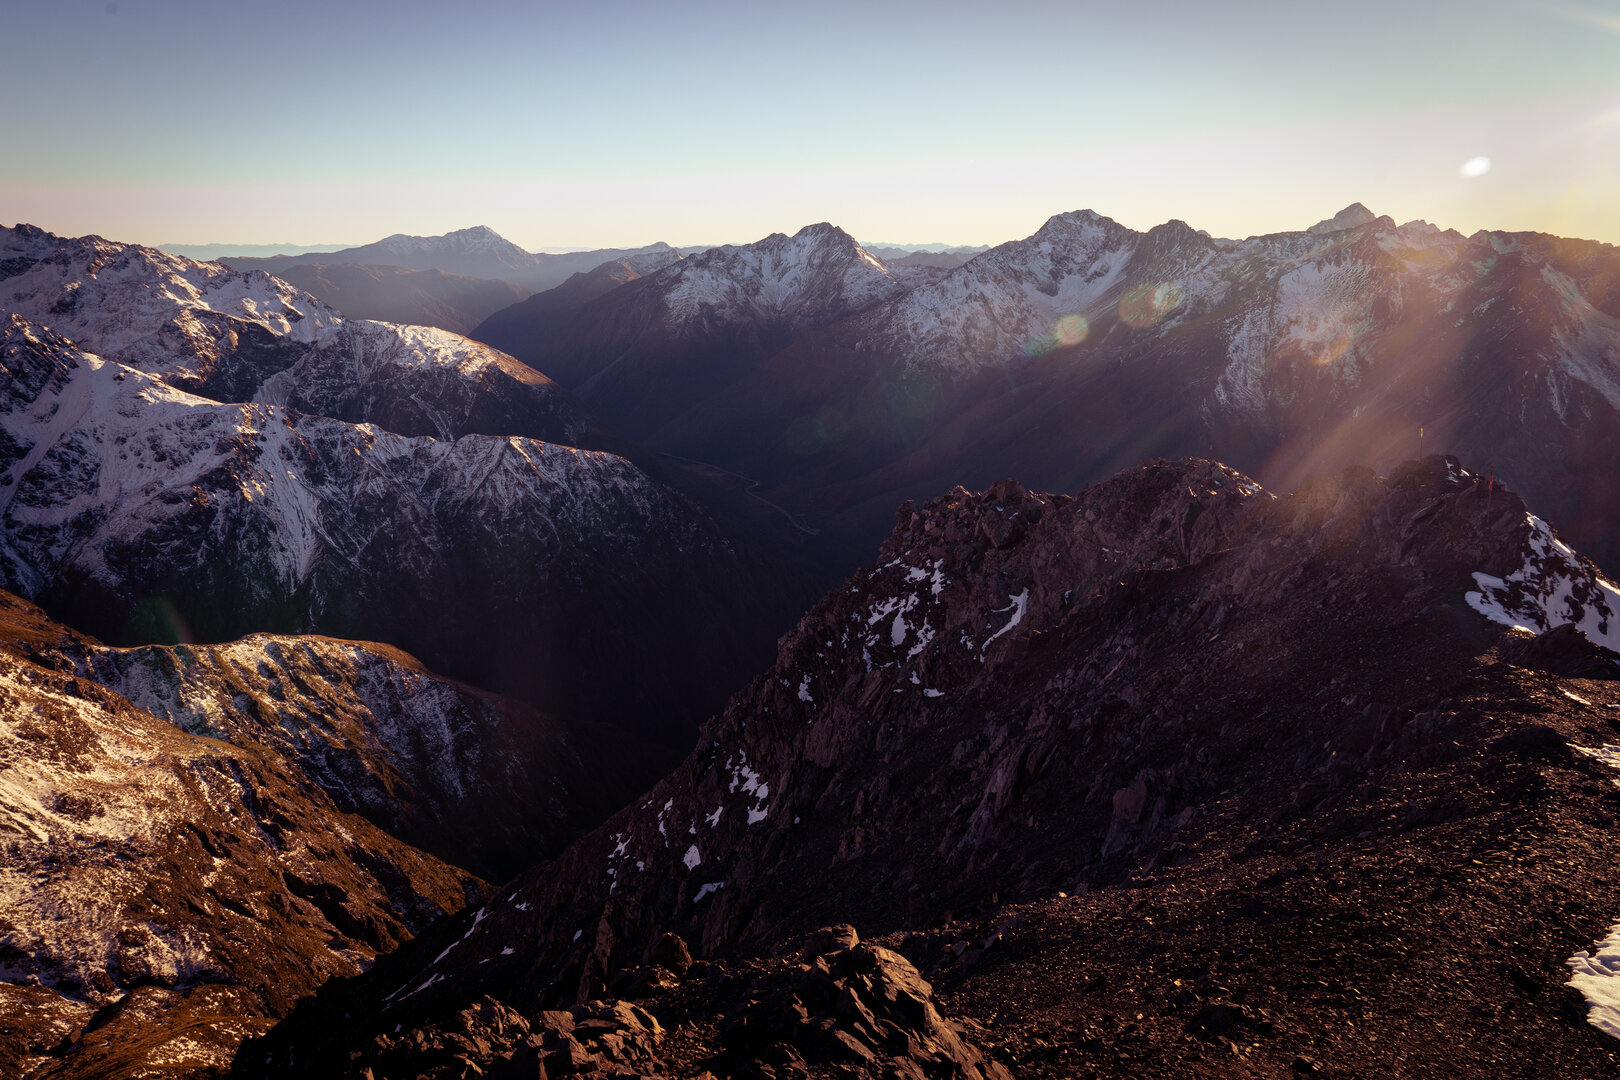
x=355, y=673
x=415, y=297
x=234, y=457
x=842, y=388
x=478, y=252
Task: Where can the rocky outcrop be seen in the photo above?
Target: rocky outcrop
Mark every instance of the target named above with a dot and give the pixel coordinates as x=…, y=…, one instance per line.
x=479, y=780
x=1027, y=693
x=846, y=1008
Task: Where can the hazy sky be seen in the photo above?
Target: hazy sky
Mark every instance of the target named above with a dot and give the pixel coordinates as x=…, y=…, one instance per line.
x=616, y=123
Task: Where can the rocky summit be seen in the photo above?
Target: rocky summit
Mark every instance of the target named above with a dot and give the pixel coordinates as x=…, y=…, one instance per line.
x=1172, y=776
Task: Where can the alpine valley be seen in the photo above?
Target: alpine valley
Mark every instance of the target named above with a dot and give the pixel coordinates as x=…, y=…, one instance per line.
x=382, y=701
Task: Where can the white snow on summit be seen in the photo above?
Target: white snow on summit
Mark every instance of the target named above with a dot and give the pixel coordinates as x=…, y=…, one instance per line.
x=1014, y=297
x=162, y=313
x=817, y=272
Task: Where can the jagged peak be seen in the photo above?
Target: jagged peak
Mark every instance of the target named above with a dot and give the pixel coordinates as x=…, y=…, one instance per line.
x=1351, y=217
x=1072, y=223
x=1174, y=233
x=824, y=229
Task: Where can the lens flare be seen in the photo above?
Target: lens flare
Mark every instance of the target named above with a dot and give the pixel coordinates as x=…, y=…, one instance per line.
x=1475, y=167
x=157, y=619
x=1068, y=331
x=1145, y=305
x=1071, y=330
x=1335, y=349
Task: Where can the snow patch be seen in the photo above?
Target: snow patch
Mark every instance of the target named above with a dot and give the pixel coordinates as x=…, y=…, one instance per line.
x=1019, y=605
x=1553, y=587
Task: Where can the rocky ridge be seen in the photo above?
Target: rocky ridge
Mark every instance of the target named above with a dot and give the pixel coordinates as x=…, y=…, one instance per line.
x=1164, y=683
x=165, y=892
x=473, y=778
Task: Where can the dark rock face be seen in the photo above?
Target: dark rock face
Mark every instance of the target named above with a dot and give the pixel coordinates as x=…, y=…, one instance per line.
x=1152, y=694
x=512, y=323
x=168, y=893
x=854, y=1010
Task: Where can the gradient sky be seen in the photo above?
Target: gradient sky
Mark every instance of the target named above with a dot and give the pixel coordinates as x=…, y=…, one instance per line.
x=620, y=123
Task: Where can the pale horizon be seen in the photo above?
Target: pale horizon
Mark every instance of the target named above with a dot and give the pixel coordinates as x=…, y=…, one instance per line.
x=184, y=123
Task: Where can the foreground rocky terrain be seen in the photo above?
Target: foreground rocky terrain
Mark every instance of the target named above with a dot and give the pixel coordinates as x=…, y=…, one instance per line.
x=1171, y=776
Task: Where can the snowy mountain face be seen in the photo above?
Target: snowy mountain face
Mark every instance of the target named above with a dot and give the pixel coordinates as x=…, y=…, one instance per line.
x=351, y=477
x=1013, y=296
x=181, y=320
x=815, y=275
x=1326, y=311
x=142, y=510
x=167, y=892
x=1089, y=346
x=1166, y=737
x=245, y=337
x=653, y=352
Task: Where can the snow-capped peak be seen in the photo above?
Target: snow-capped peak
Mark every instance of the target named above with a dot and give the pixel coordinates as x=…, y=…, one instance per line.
x=817, y=272
x=152, y=310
